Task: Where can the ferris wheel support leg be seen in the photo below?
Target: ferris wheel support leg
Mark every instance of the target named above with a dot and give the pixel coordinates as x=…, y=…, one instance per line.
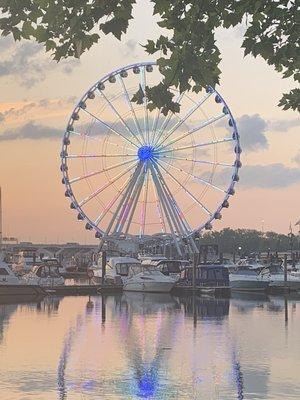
x=126, y=203
x=165, y=209
x=169, y=207
x=193, y=245
x=182, y=223
x=131, y=202
x=144, y=202
x=124, y=197
x=133, y=208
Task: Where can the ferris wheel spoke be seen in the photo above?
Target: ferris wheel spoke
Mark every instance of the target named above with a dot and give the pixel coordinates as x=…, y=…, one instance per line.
x=197, y=128
x=144, y=203
x=198, y=161
x=184, y=189
x=145, y=103
x=130, y=131
x=79, y=178
x=207, y=183
x=98, y=155
x=83, y=135
x=179, y=216
x=166, y=122
x=108, y=207
x=110, y=127
x=213, y=142
x=165, y=208
x=185, y=117
x=105, y=186
x=136, y=121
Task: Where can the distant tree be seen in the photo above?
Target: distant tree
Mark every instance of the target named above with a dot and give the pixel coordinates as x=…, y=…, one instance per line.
x=188, y=54
x=250, y=240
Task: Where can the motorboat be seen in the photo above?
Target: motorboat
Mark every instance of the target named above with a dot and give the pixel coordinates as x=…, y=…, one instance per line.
x=11, y=284
x=45, y=275
x=171, y=268
x=137, y=277
x=23, y=261
x=248, y=279
x=206, y=276
x=276, y=276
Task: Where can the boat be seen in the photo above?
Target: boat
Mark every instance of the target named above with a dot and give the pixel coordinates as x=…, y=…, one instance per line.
x=276, y=275
x=171, y=268
x=13, y=285
x=248, y=279
x=209, y=279
x=137, y=277
x=45, y=275
x=23, y=261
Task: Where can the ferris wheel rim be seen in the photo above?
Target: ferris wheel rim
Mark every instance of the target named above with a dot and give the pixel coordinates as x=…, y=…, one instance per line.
x=64, y=164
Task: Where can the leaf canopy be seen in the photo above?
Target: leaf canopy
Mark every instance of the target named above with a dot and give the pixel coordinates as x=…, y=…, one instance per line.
x=188, y=55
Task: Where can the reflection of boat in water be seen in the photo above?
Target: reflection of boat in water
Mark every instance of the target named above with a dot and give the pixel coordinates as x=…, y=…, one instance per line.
x=149, y=302
x=205, y=307
x=247, y=301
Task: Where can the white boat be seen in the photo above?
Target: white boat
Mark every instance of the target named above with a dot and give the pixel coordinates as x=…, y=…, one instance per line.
x=276, y=275
x=248, y=280
x=137, y=277
x=46, y=275
x=171, y=268
x=10, y=284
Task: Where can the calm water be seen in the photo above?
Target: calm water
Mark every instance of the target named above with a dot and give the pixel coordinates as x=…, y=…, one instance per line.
x=136, y=346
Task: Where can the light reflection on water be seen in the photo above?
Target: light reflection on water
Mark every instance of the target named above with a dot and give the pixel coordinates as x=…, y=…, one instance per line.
x=150, y=346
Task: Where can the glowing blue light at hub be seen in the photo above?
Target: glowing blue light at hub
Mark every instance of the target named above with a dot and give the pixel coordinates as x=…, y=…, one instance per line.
x=146, y=153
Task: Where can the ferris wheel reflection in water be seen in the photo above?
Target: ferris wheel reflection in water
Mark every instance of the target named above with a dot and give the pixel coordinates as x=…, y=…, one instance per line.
x=150, y=362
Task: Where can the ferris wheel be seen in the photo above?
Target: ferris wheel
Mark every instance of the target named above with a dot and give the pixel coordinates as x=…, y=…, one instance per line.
x=129, y=170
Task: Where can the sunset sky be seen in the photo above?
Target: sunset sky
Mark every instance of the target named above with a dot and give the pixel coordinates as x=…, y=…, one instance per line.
x=38, y=95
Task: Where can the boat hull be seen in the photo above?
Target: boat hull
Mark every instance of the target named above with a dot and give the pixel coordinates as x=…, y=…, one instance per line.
x=150, y=287
x=24, y=290
x=253, y=286
x=293, y=285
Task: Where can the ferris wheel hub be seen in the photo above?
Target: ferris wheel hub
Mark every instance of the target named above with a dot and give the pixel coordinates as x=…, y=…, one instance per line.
x=146, y=153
